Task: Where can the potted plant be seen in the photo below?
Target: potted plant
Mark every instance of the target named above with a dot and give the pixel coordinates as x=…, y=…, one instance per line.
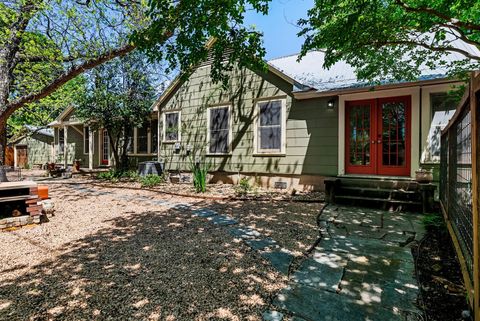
x=424, y=175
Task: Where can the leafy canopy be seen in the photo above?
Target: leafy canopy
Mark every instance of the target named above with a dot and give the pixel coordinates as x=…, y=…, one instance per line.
x=202, y=29
x=119, y=96
x=394, y=38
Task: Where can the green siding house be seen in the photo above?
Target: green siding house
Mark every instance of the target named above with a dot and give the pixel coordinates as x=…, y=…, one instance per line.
x=76, y=141
x=298, y=123
x=34, y=148
x=291, y=126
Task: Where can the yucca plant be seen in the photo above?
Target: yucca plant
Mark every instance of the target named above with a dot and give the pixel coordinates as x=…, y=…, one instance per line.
x=199, y=172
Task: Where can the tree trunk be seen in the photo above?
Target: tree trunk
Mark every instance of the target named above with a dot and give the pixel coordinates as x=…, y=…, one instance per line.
x=124, y=157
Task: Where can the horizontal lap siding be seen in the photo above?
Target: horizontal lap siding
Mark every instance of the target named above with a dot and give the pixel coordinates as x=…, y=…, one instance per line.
x=311, y=133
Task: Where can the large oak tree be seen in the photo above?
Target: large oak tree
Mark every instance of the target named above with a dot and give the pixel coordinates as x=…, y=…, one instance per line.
x=69, y=37
x=393, y=39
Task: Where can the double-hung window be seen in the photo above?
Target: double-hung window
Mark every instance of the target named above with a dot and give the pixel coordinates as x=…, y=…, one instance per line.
x=270, y=127
x=171, y=126
x=219, y=130
x=61, y=140
x=86, y=140
x=142, y=138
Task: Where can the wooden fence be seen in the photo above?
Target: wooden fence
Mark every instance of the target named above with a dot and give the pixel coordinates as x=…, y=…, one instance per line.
x=459, y=186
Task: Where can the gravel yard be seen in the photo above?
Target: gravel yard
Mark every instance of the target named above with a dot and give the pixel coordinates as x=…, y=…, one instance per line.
x=118, y=256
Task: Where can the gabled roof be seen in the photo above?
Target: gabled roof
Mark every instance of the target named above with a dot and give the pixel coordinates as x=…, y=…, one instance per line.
x=310, y=72
x=40, y=130
x=60, y=117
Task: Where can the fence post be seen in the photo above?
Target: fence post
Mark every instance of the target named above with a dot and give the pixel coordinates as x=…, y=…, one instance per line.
x=474, y=89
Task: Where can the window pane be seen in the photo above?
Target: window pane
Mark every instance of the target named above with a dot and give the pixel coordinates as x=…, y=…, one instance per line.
x=171, y=126
x=270, y=137
x=86, y=140
x=270, y=113
x=154, y=135
x=218, y=118
x=394, y=134
x=443, y=108
x=61, y=141
x=219, y=141
x=142, y=139
x=129, y=138
x=359, y=135
x=219, y=130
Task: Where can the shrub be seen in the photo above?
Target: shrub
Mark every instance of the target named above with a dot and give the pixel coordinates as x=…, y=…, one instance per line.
x=243, y=186
x=151, y=180
x=433, y=221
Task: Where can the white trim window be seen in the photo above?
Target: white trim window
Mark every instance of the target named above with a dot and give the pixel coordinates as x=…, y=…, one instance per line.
x=219, y=130
x=142, y=138
x=171, y=126
x=270, y=127
x=86, y=140
x=61, y=141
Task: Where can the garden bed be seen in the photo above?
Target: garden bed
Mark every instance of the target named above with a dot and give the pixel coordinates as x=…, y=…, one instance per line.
x=217, y=191
x=443, y=294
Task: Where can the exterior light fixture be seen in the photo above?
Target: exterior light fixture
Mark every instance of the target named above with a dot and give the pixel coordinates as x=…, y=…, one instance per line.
x=331, y=104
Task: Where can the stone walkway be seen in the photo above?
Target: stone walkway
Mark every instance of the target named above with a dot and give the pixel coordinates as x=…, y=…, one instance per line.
x=360, y=269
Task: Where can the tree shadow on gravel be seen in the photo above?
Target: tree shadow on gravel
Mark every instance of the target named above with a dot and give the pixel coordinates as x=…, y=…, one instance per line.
x=164, y=265
x=292, y=224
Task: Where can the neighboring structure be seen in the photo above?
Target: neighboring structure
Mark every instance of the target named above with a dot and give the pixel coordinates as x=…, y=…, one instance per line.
x=75, y=141
x=34, y=148
x=299, y=123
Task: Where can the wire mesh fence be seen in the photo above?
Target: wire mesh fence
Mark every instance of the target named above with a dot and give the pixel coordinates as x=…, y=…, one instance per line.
x=457, y=183
x=459, y=187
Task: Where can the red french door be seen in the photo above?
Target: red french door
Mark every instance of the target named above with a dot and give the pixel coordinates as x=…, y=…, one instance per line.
x=377, y=133
x=105, y=150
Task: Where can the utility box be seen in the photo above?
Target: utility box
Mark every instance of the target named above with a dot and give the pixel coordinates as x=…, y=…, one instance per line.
x=151, y=167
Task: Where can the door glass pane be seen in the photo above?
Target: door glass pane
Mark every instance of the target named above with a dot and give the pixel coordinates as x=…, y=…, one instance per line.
x=393, y=134
x=359, y=119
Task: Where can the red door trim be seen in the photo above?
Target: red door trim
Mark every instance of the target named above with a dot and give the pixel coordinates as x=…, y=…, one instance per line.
x=360, y=169
x=396, y=170
x=376, y=155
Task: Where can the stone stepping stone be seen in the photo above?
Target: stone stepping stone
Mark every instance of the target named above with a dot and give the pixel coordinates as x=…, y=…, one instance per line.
x=204, y=212
x=182, y=206
x=279, y=260
x=261, y=243
x=222, y=220
x=272, y=316
x=319, y=305
x=244, y=232
x=323, y=273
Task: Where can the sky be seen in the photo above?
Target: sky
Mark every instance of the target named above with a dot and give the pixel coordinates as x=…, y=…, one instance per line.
x=279, y=26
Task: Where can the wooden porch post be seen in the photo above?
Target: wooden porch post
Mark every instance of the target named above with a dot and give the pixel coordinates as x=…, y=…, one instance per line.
x=90, y=147
x=65, y=146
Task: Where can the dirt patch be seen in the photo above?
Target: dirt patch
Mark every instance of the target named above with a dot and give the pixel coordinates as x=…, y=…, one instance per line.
x=440, y=278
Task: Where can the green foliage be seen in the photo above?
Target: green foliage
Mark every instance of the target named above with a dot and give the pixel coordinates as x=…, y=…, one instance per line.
x=44, y=111
x=199, y=173
x=374, y=36
x=433, y=221
x=191, y=24
x=114, y=175
x=243, y=186
x=151, y=180
x=119, y=96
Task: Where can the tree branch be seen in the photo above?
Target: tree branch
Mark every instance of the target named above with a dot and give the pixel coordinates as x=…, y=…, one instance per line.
x=438, y=14
x=67, y=76
x=429, y=47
